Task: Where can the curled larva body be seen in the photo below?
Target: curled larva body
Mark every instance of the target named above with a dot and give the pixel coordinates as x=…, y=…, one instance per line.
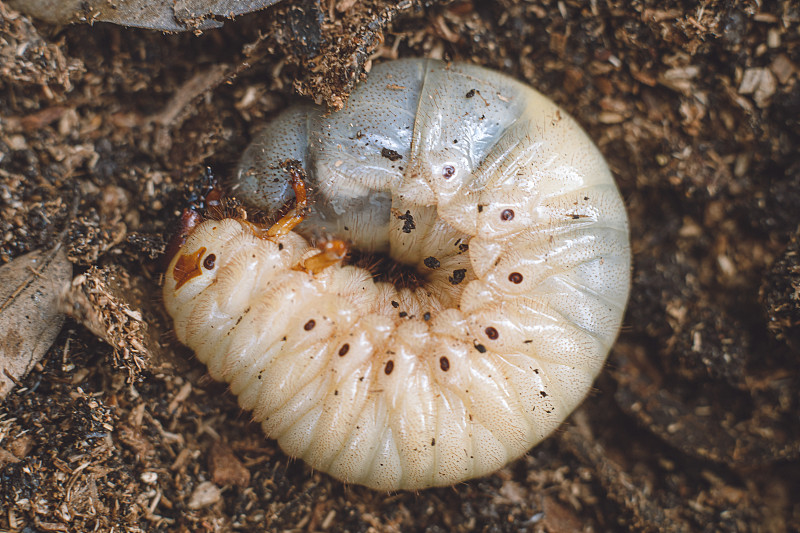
x=517, y=232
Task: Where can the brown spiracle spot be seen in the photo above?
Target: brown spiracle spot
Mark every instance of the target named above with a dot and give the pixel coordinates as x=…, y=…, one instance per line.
x=187, y=267
x=515, y=277
x=507, y=214
x=389, y=367
x=344, y=349
x=209, y=261
x=310, y=325
x=448, y=171
x=444, y=363
x=491, y=333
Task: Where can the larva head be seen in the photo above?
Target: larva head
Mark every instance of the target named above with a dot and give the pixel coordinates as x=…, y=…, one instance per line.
x=196, y=263
x=188, y=221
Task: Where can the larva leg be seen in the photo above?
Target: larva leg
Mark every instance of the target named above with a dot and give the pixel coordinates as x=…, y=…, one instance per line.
x=331, y=252
x=290, y=220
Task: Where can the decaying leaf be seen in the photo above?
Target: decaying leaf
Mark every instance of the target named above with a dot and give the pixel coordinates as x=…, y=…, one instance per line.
x=30, y=320
x=167, y=15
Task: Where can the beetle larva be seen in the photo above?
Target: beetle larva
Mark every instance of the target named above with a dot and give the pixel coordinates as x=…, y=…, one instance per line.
x=516, y=231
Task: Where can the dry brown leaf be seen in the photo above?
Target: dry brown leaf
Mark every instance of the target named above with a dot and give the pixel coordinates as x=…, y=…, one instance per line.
x=167, y=15
x=29, y=316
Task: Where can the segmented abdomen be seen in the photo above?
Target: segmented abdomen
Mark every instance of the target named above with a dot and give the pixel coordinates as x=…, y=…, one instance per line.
x=512, y=220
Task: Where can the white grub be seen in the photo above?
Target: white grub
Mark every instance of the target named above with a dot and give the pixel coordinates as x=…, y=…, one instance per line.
x=407, y=388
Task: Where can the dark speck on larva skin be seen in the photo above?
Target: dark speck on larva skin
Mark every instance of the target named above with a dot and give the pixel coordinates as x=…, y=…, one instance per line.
x=431, y=262
x=458, y=276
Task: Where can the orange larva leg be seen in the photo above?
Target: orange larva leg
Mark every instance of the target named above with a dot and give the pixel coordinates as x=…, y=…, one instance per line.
x=286, y=224
x=290, y=220
x=332, y=252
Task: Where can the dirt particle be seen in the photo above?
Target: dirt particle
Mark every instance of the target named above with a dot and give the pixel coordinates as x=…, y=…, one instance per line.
x=408, y=222
x=458, y=276
x=431, y=262
x=391, y=155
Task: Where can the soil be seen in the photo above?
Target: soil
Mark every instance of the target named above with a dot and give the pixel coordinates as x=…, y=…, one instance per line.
x=692, y=427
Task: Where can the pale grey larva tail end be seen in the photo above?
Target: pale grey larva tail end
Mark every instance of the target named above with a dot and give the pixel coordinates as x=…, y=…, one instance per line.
x=515, y=228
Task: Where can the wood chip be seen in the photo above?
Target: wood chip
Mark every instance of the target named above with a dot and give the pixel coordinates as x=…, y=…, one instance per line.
x=205, y=494
x=783, y=68
x=761, y=83
x=225, y=467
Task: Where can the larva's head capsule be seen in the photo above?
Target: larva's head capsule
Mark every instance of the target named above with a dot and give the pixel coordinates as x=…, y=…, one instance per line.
x=196, y=263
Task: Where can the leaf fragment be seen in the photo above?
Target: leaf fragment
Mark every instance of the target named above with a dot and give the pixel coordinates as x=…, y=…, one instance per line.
x=165, y=15
x=30, y=318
